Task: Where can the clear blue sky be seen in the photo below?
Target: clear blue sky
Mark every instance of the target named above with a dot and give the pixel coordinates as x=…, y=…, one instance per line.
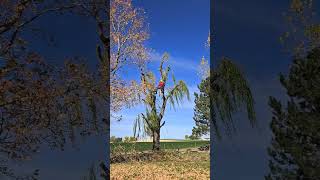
x=180, y=28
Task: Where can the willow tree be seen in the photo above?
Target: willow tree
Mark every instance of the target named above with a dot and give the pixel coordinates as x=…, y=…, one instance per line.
x=155, y=98
x=224, y=90
x=228, y=91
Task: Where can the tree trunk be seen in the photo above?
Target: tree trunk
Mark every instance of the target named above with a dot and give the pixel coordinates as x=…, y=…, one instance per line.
x=156, y=140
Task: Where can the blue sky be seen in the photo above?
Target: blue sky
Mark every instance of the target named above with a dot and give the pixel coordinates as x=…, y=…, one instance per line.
x=181, y=29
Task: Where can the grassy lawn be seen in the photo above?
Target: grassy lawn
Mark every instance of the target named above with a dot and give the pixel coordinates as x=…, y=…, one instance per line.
x=182, y=165
x=143, y=146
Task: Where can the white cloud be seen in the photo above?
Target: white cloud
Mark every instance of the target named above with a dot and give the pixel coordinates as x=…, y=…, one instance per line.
x=178, y=62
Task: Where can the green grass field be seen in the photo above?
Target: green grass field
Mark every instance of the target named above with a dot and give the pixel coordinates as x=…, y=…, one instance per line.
x=143, y=146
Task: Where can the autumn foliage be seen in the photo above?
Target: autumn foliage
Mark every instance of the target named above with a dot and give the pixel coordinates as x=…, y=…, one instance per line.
x=43, y=104
x=128, y=33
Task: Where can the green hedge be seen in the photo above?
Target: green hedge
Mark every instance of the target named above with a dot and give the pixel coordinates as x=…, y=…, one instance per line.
x=143, y=146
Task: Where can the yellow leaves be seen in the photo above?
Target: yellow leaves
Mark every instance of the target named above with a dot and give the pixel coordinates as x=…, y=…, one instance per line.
x=207, y=44
x=204, y=68
x=128, y=34
x=301, y=34
x=296, y=5
x=165, y=56
x=182, y=165
x=202, y=60
x=148, y=82
x=299, y=6
x=124, y=94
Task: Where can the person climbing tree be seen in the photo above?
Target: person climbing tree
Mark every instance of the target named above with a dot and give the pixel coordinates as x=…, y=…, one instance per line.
x=161, y=85
x=152, y=120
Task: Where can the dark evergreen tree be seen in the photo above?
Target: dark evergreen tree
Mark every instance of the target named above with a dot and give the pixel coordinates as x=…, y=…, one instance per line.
x=295, y=146
x=202, y=110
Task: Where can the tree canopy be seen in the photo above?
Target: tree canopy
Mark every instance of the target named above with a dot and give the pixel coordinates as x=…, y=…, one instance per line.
x=151, y=122
x=44, y=104
x=295, y=146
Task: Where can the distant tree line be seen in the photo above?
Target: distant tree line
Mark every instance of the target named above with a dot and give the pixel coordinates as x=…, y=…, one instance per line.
x=126, y=139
